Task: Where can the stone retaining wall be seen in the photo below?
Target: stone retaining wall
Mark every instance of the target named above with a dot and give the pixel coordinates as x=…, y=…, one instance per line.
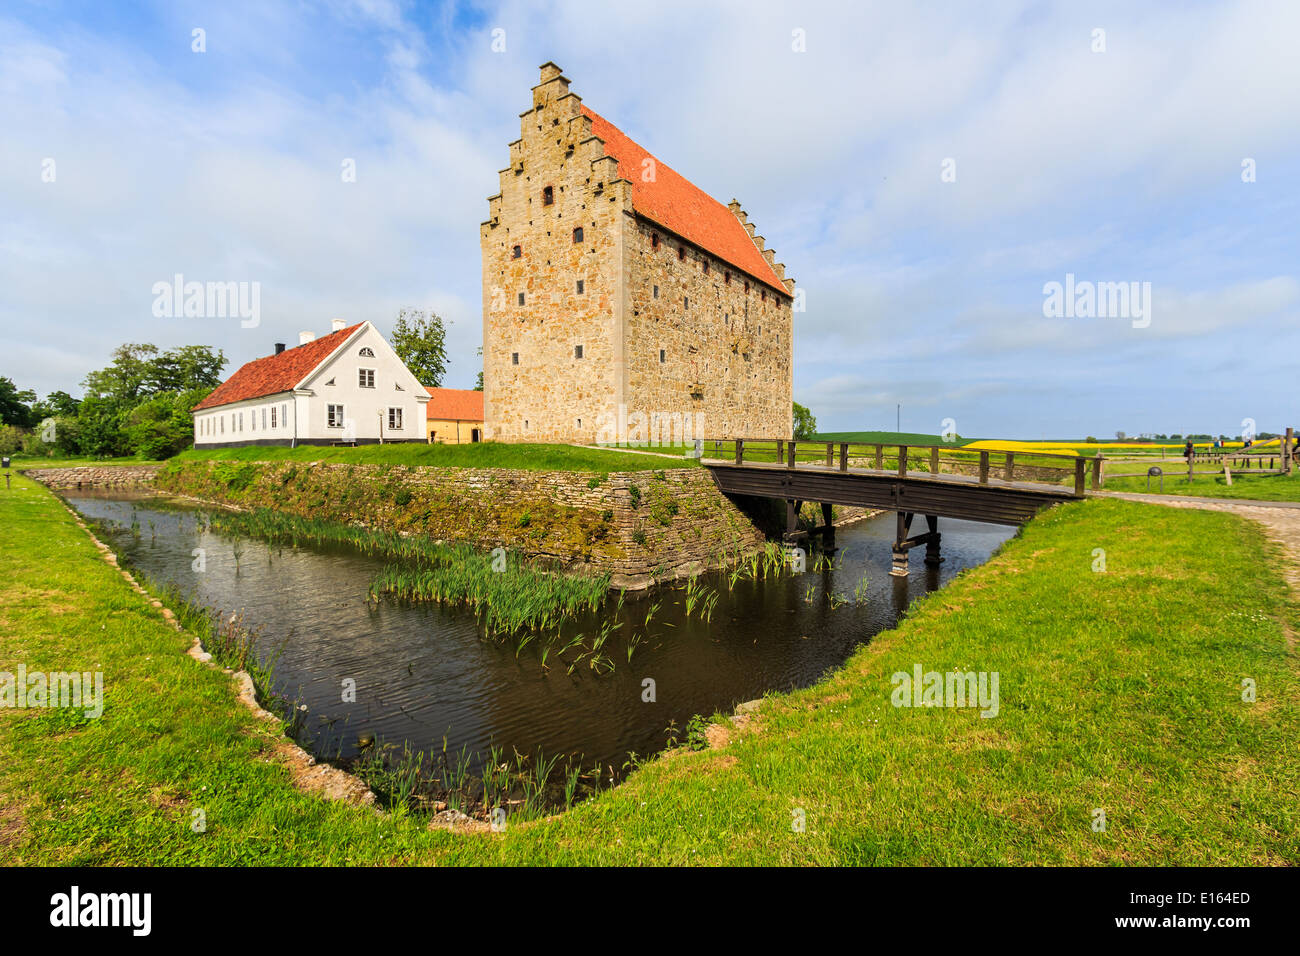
x=638, y=526
x=94, y=476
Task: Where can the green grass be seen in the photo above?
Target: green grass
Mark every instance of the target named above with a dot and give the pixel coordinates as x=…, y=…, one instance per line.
x=1212, y=485
x=1118, y=690
x=26, y=462
x=479, y=455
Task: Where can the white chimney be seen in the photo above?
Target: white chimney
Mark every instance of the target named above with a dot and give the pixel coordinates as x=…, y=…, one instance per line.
x=336, y=325
x=305, y=337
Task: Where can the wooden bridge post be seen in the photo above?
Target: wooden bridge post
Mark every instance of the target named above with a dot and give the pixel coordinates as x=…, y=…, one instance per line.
x=830, y=454
x=1096, y=471
x=780, y=451
x=844, y=456
x=1078, y=476
x=932, y=558
x=740, y=450
x=984, y=468
x=902, y=461
x=1009, y=471
x=880, y=454
x=899, y=564
x=828, y=528
x=1288, y=443
x=790, y=462
x=934, y=460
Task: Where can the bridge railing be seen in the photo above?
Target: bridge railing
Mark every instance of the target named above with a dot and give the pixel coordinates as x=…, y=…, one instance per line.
x=989, y=466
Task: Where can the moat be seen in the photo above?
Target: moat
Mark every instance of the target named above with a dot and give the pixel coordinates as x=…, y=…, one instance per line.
x=426, y=674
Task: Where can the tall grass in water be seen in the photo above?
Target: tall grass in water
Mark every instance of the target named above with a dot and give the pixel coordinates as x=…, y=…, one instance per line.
x=509, y=594
x=525, y=786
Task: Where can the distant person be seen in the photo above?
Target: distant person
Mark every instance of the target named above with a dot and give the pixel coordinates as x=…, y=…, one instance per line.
x=1187, y=450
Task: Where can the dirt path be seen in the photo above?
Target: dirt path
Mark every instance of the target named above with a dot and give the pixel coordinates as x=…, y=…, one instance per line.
x=1281, y=520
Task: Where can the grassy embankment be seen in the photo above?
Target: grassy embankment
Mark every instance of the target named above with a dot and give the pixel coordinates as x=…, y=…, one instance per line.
x=1119, y=691
x=479, y=455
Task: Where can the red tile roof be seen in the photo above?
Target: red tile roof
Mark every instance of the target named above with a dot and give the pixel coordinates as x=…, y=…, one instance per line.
x=276, y=373
x=454, y=405
x=679, y=205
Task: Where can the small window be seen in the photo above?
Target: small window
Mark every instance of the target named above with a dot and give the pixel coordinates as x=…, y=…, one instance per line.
x=746, y=285
x=330, y=382
x=273, y=424
x=654, y=241
x=663, y=356
x=686, y=302
x=681, y=253
x=367, y=352
x=764, y=295
x=577, y=234
x=366, y=377
x=581, y=287
x=514, y=358
x=728, y=279
x=704, y=264
x=264, y=418
x=577, y=351
x=395, y=419
x=548, y=195
x=656, y=292
x=516, y=252
x=521, y=298
x=334, y=416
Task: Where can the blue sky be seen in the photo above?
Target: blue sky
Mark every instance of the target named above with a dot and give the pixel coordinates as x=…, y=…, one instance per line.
x=1115, y=165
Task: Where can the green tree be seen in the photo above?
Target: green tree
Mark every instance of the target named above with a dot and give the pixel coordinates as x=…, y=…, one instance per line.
x=140, y=403
x=805, y=426
x=55, y=405
x=15, y=404
x=420, y=341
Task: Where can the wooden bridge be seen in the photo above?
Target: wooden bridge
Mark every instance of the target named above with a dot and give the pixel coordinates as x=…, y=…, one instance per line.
x=936, y=481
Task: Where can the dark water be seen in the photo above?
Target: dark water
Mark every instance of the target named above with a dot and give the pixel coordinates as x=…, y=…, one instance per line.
x=425, y=671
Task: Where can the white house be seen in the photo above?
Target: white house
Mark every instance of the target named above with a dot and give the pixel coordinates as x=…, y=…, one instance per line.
x=347, y=386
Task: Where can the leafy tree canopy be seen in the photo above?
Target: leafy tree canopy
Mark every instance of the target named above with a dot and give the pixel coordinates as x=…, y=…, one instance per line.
x=805, y=426
x=420, y=341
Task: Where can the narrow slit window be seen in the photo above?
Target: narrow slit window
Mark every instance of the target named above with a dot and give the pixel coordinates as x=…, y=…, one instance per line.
x=577, y=235
x=581, y=287
x=521, y=298
x=516, y=252
x=514, y=358
x=577, y=351
x=548, y=195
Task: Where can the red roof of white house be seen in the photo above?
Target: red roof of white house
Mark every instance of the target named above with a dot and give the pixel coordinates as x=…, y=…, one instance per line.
x=454, y=405
x=679, y=205
x=276, y=373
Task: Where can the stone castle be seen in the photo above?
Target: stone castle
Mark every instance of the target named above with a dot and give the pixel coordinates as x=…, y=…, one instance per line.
x=620, y=302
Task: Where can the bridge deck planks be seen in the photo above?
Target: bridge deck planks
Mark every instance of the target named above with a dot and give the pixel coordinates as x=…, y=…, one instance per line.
x=944, y=495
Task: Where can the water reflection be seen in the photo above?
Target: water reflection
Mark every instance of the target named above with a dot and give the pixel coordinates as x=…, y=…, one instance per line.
x=423, y=673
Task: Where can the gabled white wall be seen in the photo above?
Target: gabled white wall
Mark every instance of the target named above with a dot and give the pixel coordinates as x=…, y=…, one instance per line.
x=303, y=413
x=362, y=406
